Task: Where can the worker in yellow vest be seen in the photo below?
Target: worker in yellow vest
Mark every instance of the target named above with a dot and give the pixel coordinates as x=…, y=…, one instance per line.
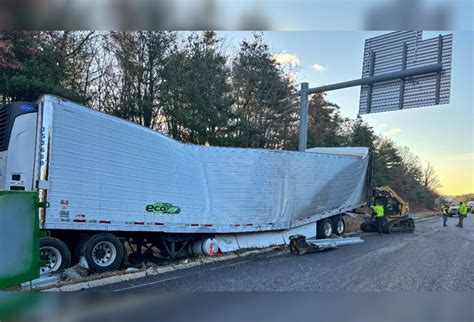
x=379, y=217
x=462, y=213
x=445, y=211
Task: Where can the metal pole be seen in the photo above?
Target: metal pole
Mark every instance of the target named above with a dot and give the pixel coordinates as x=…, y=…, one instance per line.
x=434, y=68
x=303, y=117
x=305, y=91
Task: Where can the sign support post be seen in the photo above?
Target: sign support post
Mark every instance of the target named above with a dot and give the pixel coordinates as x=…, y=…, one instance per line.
x=303, y=138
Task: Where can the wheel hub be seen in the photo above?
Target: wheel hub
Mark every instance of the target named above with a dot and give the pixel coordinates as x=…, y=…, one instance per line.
x=104, y=253
x=100, y=253
x=328, y=229
x=52, y=257
x=340, y=226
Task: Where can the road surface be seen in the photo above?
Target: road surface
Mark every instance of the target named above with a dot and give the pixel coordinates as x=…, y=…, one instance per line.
x=434, y=258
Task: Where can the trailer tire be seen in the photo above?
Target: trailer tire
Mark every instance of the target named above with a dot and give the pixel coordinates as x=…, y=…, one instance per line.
x=79, y=248
x=56, y=253
x=104, y=252
x=339, y=225
x=325, y=228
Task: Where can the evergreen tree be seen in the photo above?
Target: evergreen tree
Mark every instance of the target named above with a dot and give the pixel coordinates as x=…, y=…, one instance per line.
x=398, y=168
x=197, y=94
x=325, y=123
x=35, y=66
x=361, y=134
x=140, y=58
x=266, y=107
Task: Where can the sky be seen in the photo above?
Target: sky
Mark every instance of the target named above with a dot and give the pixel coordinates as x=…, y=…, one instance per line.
x=442, y=135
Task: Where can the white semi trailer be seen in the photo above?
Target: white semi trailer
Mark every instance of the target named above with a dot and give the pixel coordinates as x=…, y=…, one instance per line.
x=106, y=180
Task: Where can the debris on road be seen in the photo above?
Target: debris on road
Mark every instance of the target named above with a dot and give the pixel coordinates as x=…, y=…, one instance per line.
x=43, y=281
x=145, y=269
x=300, y=245
x=74, y=272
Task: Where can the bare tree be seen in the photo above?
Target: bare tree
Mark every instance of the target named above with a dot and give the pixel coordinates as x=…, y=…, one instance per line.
x=430, y=179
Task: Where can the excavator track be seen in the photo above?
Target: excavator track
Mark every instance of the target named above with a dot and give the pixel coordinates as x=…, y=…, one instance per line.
x=405, y=225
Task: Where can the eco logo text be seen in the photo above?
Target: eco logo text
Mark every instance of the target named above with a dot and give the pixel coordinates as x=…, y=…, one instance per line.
x=163, y=208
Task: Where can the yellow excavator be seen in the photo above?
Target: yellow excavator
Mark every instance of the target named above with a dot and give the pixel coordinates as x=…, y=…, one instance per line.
x=396, y=213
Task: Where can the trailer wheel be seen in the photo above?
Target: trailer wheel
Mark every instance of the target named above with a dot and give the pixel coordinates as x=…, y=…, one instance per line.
x=79, y=248
x=103, y=252
x=325, y=228
x=55, y=253
x=339, y=225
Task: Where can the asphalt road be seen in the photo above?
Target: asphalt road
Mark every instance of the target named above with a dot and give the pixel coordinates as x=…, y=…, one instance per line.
x=434, y=258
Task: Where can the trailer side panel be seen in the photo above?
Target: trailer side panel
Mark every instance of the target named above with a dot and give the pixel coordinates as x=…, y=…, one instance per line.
x=105, y=173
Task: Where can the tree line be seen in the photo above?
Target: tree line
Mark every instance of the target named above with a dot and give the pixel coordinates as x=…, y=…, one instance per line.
x=189, y=87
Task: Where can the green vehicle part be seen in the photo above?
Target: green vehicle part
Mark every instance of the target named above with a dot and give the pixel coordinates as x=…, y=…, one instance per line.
x=19, y=229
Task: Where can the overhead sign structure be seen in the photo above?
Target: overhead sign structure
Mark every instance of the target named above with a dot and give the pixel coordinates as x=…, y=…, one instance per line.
x=400, y=71
x=399, y=51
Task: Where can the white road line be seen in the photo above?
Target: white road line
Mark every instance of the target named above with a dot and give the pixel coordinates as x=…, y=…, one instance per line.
x=225, y=266
x=176, y=277
x=147, y=284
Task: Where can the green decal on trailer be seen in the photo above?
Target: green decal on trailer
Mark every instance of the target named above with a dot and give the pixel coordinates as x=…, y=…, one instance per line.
x=163, y=208
x=19, y=232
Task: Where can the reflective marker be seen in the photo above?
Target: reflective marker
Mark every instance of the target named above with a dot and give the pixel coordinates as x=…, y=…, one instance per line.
x=26, y=108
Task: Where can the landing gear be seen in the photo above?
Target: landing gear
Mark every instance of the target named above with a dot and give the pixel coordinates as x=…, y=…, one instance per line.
x=168, y=246
x=174, y=246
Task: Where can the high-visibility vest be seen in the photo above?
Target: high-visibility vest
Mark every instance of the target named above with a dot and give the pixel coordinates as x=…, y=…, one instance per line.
x=463, y=210
x=379, y=211
x=445, y=210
